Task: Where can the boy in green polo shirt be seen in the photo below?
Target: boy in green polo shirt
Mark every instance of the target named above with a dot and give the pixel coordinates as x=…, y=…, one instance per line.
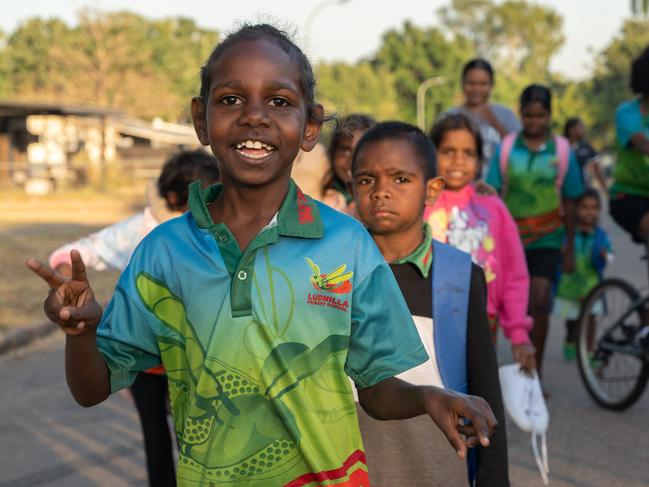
x=258, y=301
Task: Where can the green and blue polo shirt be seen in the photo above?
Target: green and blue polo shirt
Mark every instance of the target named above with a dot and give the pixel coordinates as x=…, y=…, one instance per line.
x=531, y=187
x=631, y=170
x=258, y=344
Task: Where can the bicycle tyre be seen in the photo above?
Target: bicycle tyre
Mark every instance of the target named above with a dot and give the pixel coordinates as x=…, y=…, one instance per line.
x=588, y=310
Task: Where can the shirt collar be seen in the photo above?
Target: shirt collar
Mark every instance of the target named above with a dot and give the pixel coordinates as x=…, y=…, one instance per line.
x=298, y=215
x=548, y=145
x=422, y=256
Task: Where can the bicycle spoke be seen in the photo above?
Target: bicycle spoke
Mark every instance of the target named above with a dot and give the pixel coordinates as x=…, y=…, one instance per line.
x=610, y=362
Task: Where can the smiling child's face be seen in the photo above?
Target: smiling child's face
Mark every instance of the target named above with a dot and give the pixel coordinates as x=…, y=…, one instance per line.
x=390, y=189
x=255, y=119
x=457, y=159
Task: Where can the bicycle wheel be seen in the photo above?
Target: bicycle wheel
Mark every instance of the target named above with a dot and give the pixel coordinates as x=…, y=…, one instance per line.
x=612, y=366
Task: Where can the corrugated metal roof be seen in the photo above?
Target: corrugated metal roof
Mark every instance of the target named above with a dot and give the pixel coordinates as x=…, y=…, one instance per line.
x=23, y=108
x=165, y=132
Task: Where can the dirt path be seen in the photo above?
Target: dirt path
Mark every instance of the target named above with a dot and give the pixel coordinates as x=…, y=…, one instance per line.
x=35, y=227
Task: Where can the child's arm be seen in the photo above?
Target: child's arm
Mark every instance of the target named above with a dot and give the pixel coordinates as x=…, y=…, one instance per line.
x=513, y=284
x=493, y=177
x=109, y=247
x=640, y=142
x=482, y=378
x=71, y=305
x=572, y=188
x=396, y=399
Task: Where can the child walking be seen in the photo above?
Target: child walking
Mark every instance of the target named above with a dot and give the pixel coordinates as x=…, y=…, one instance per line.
x=482, y=226
x=395, y=176
x=575, y=131
x=248, y=301
x=538, y=177
x=335, y=186
x=592, y=252
x=112, y=247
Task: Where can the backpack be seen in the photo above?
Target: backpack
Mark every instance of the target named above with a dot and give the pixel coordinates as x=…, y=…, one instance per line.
x=451, y=285
x=563, y=153
x=450, y=289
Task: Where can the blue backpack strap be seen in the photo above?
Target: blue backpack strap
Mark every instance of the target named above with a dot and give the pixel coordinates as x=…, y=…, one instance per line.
x=451, y=286
x=600, y=244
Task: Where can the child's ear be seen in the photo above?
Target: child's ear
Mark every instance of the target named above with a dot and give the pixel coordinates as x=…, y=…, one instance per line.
x=312, y=128
x=200, y=122
x=434, y=187
x=172, y=200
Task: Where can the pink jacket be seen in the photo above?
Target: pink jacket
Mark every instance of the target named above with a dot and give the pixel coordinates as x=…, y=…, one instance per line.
x=483, y=227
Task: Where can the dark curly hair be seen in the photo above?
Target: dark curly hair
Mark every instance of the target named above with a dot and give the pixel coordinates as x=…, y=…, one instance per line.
x=537, y=94
x=457, y=121
x=400, y=131
x=267, y=32
x=640, y=74
x=478, y=63
x=345, y=128
x=183, y=168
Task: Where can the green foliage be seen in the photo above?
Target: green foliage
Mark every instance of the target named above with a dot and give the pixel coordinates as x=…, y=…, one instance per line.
x=150, y=67
x=518, y=37
x=344, y=89
x=640, y=7
x=568, y=102
x=609, y=85
x=118, y=59
x=413, y=55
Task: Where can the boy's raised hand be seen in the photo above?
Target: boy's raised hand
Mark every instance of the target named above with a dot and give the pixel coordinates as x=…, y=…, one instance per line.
x=450, y=411
x=70, y=303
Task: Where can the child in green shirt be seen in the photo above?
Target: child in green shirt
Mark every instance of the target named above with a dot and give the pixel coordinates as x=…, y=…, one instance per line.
x=251, y=304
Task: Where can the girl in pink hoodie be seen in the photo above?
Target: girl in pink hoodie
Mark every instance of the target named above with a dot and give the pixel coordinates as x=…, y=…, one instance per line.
x=482, y=226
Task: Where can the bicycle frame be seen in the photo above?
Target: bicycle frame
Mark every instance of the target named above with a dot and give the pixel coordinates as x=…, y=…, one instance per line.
x=608, y=344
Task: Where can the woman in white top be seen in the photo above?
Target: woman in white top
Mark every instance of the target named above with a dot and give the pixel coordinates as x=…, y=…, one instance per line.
x=495, y=120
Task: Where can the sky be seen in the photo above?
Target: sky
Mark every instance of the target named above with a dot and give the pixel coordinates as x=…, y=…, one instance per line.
x=348, y=31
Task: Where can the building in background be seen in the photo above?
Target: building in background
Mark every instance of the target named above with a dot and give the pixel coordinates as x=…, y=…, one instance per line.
x=44, y=145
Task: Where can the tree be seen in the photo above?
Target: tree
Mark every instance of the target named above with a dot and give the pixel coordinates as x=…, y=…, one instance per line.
x=518, y=37
x=345, y=89
x=609, y=85
x=413, y=55
x=120, y=59
x=27, y=66
x=640, y=7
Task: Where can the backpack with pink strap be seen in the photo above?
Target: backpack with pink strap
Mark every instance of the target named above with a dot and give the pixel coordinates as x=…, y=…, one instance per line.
x=563, y=155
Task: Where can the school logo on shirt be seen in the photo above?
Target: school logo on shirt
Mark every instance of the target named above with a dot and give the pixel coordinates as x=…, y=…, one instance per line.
x=336, y=282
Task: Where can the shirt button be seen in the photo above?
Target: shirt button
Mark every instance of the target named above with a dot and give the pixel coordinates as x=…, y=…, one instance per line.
x=222, y=237
x=242, y=275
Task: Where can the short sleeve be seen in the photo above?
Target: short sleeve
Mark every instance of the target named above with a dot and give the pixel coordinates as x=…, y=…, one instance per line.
x=628, y=121
x=493, y=174
x=384, y=341
x=573, y=185
x=509, y=120
x=125, y=336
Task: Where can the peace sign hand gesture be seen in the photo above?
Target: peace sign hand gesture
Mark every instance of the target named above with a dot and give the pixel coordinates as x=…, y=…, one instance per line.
x=70, y=303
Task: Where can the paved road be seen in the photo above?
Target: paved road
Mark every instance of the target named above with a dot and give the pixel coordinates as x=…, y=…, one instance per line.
x=47, y=440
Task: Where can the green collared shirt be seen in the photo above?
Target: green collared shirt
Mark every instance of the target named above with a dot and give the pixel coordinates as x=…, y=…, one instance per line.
x=422, y=256
x=298, y=216
x=258, y=344
x=531, y=187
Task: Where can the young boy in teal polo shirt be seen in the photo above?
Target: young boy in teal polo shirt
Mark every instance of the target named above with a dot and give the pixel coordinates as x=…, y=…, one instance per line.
x=258, y=301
